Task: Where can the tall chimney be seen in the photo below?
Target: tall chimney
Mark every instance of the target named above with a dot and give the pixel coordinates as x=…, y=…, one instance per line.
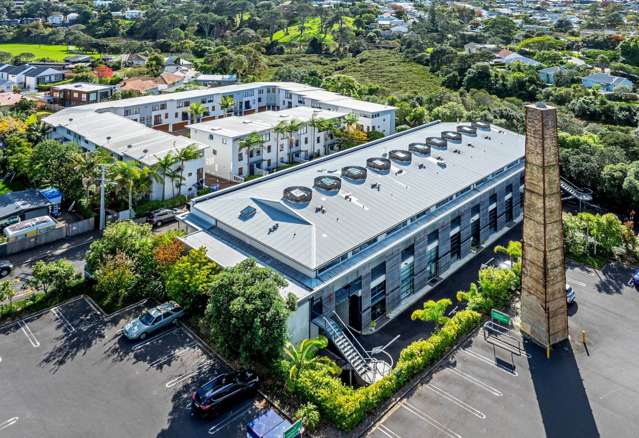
x=543, y=285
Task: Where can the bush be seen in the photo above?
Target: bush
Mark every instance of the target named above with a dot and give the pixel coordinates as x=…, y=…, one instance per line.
x=146, y=207
x=346, y=407
x=310, y=416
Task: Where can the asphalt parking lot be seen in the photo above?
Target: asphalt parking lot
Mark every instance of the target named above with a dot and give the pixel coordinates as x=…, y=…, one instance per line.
x=582, y=391
x=68, y=372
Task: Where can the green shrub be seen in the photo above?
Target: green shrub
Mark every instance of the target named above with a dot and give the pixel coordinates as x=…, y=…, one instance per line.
x=148, y=206
x=346, y=407
x=310, y=416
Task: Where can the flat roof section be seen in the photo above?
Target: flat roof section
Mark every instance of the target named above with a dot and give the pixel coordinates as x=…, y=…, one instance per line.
x=332, y=223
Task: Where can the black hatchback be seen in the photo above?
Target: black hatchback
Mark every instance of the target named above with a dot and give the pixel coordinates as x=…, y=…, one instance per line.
x=223, y=391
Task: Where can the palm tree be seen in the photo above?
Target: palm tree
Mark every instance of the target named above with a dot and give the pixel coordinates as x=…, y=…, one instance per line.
x=279, y=129
x=292, y=127
x=304, y=357
x=189, y=153
x=433, y=311
x=315, y=123
x=127, y=174
x=250, y=141
x=350, y=119
x=226, y=103
x=163, y=167
x=196, y=110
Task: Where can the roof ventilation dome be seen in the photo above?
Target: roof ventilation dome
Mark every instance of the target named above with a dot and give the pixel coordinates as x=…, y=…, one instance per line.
x=298, y=194
x=437, y=142
x=466, y=130
x=451, y=135
x=328, y=183
x=379, y=164
x=419, y=148
x=484, y=126
x=401, y=156
x=354, y=173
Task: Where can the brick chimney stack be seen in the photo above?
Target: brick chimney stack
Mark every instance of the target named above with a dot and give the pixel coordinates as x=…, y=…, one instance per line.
x=543, y=291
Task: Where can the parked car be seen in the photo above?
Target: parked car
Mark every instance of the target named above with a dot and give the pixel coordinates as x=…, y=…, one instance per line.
x=570, y=294
x=634, y=281
x=152, y=320
x=162, y=216
x=223, y=391
x=5, y=268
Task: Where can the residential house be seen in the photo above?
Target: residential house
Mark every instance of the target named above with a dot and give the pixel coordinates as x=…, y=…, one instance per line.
x=472, y=48
x=143, y=85
x=215, y=80
x=80, y=93
x=175, y=63
x=28, y=77
x=503, y=53
x=231, y=161
x=6, y=86
x=516, y=57
x=607, y=82
x=547, y=75
x=22, y=205
x=78, y=59
x=55, y=19
x=133, y=60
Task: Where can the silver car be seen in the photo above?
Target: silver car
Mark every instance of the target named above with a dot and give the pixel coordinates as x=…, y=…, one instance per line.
x=152, y=320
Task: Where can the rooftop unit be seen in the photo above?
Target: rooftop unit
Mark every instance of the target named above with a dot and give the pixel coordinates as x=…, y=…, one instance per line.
x=328, y=183
x=466, y=130
x=484, y=126
x=437, y=142
x=451, y=135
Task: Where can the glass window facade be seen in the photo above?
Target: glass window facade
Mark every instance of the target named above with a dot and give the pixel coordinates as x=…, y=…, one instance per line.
x=378, y=291
x=407, y=273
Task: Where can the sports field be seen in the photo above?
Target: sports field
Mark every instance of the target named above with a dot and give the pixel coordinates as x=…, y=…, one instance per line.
x=49, y=51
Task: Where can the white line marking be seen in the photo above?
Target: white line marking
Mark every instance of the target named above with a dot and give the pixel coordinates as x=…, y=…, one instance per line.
x=387, y=431
x=183, y=377
x=9, y=422
x=453, y=310
x=578, y=283
x=428, y=419
x=141, y=345
x=29, y=334
x=56, y=311
x=451, y=398
x=221, y=425
x=93, y=306
x=172, y=355
x=490, y=362
x=494, y=391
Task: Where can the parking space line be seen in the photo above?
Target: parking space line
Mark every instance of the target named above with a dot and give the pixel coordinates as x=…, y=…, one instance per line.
x=58, y=314
x=451, y=398
x=430, y=420
x=9, y=422
x=494, y=391
x=29, y=334
x=141, y=345
x=386, y=431
x=232, y=416
x=183, y=377
x=579, y=283
x=94, y=306
x=490, y=362
x=172, y=355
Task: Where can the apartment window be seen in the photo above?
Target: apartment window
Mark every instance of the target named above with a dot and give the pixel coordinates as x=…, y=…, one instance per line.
x=407, y=272
x=163, y=106
x=240, y=171
x=211, y=137
x=266, y=137
x=475, y=228
x=240, y=156
x=378, y=291
x=268, y=163
x=127, y=112
x=155, y=107
x=213, y=151
x=305, y=140
x=268, y=149
x=157, y=119
x=492, y=213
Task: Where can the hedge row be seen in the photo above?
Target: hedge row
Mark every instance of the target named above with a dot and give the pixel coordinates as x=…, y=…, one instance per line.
x=346, y=407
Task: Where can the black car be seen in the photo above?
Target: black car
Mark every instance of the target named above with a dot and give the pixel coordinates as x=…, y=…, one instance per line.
x=5, y=268
x=223, y=391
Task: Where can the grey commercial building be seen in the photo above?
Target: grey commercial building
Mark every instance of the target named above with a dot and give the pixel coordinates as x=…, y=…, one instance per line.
x=366, y=232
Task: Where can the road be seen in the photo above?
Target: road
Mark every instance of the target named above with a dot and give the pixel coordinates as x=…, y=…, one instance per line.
x=73, y=250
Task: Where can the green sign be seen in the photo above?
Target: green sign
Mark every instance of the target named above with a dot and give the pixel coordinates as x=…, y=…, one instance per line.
x=294, y=431
x=500, y=317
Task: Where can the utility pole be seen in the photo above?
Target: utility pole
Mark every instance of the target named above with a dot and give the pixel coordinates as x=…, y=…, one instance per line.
x=102, y=185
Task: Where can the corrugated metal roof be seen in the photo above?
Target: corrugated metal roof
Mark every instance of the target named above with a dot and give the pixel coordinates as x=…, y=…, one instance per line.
x=331, y=225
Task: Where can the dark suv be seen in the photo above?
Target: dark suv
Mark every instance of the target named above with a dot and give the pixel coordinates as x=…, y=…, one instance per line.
x=223, y=391
x=162, y=216
x=5, y=268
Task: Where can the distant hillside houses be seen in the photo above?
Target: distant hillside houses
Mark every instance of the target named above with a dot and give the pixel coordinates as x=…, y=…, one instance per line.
x=28, y=77
x=607, y=82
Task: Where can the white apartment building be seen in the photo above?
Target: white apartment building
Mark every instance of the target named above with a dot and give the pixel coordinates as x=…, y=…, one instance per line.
x=226, y=136
x=127, y=140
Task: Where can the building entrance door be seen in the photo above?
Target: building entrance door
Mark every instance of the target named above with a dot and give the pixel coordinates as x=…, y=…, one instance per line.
x=355, y=312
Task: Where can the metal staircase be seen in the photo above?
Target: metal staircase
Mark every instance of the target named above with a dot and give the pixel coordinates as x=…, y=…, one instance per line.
x=368, y=368
x=575, y=192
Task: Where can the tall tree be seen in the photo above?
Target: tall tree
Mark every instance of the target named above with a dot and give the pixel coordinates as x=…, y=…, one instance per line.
x=163, y=168
x=188, y=153
x=292, y=129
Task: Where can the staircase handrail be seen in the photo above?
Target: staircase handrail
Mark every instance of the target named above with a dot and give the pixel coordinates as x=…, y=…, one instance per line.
x=578, y=191
x=363, y=359
x=368, y=356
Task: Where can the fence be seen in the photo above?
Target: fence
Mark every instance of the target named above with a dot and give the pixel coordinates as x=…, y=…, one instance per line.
x=59, y=232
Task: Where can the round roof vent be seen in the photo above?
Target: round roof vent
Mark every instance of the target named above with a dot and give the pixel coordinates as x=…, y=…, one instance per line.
x=400, y=156
x=451, y=135
x=467, y=130
x=484, y=126
x=355, y=173
x=437, y=142
x=419, y=148
x=379, y=164
x=328, y=182
x=298, y=194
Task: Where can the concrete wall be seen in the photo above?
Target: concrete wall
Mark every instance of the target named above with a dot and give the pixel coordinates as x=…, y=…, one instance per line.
x=298, y=323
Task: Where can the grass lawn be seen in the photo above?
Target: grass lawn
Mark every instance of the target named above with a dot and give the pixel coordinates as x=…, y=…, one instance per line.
x=312, y=29
x=386, y=68
x=41, y=51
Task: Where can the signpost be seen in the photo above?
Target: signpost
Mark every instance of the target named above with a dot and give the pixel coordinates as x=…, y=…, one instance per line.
x=295, y=430
x=500, y=317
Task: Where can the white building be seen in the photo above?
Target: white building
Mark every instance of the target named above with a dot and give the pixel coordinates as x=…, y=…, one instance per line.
x=127, y=140
x=231, y=161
